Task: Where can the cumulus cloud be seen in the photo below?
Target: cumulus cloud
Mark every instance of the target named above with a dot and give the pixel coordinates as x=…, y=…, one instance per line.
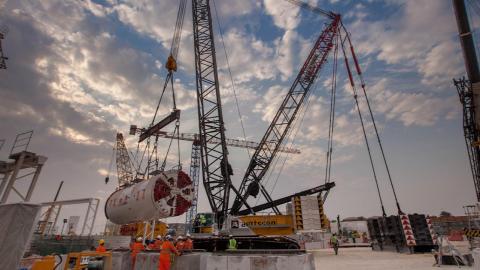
x=417, y=108
x=402, y=39
x=284, y=14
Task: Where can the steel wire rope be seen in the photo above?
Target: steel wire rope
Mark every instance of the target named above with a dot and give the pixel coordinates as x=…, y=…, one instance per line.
x=169, y=79
x=111, y=162
x=231, y=76
x=331, y=120
x=333, y=93
x=355, y=96
x=380, y=144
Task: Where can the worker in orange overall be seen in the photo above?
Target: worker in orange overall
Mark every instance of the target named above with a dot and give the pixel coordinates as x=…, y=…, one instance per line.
x=135, y=249
x=167, y=249
x=180, y=244
x=101, y=246
x=188, y=242
x=158, y=242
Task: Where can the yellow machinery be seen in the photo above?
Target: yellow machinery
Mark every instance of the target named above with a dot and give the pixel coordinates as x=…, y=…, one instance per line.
x=136, y=229
x=77, y=261
x=268, y=224
x=46, y=263
x=89, y=260
x=264, y=225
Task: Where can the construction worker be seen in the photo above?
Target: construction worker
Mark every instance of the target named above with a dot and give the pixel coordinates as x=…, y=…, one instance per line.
x=232, y=243
x=180, y=244
x=101, y=246
x=203, y=220
x=158, y=242
x=188, y=242
x=166, y=252
x=135, y=249
x=334, y=243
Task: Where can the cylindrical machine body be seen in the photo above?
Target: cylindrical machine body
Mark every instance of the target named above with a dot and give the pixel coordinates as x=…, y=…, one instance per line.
x=167, y=194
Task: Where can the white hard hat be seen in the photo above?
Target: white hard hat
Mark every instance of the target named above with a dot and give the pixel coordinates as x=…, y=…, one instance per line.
x=188, y=235
x=139, y=239
x=168, y=237
x=159, y=237
x=180, y=237
x=230, y=235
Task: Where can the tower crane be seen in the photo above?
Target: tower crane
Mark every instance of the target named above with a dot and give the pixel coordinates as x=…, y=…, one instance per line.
x=193, y=137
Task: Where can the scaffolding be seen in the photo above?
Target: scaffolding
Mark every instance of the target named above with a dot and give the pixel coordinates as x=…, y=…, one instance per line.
x=24, y=165
x=50, y=217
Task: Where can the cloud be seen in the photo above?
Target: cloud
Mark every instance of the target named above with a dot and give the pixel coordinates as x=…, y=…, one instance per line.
x=402, y=39
x=436, y=70
x=249, y=58
x=417, y=108
x=284, y=14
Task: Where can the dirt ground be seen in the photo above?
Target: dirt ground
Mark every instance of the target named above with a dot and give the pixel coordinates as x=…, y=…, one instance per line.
x=366, y=259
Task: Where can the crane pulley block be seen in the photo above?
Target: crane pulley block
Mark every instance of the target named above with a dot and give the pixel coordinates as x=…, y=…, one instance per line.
x=171, y=64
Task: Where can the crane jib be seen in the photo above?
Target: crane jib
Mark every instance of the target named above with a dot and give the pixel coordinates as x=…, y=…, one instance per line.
x=278, y=129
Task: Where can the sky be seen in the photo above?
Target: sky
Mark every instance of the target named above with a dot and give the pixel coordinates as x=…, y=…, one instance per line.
x=80, y=71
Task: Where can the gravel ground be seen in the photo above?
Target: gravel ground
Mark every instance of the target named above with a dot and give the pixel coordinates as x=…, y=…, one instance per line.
x=366, y=259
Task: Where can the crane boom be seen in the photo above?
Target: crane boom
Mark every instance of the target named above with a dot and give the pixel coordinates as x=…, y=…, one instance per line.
x=269, y=205
x=216, y=170
x=193, y=137
x=278, y=129
x=124, y=164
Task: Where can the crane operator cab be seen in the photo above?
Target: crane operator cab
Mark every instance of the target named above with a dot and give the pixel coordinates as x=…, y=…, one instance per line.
x=204, y=223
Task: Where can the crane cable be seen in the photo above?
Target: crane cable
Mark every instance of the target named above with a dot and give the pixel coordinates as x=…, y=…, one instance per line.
x=107, y=178
x=331, y=126
x=355, y=96
x=171, y=67
x=231, y=77
x=359, y=74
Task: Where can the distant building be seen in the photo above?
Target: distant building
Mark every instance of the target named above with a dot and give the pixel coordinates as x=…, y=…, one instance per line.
x=445, y=225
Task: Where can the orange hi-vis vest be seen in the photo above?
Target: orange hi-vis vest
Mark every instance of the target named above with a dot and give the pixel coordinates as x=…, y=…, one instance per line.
x=188, y=244
x=136, y=248
x=158, y=244
x=101, y=248
x=180, y=245
x=167, y=249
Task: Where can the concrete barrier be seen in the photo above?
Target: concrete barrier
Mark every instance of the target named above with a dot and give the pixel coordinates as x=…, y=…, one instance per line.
x=220, y=261
x=121, y=260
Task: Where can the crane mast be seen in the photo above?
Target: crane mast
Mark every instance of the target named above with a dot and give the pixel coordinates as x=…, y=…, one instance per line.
x=216, y=170
x=278, y=129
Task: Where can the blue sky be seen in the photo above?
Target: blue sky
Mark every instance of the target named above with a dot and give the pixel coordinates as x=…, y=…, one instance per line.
x=78, y=71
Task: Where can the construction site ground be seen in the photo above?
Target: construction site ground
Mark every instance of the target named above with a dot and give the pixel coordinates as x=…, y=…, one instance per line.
x=366, y=259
